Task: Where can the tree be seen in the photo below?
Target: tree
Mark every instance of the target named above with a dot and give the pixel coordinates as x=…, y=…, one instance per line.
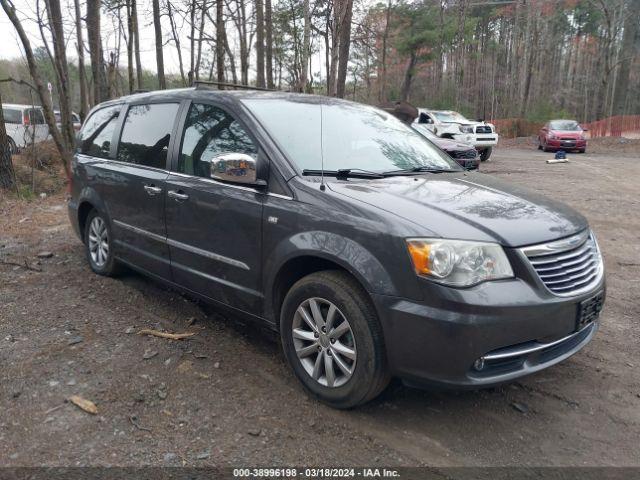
x=100, y=89
x=628, y=52
x=268, y=13
x=84, y=94
x=157, y=28
x=260, y=79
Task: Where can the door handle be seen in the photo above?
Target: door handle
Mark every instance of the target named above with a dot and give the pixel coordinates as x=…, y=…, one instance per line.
x=177, y=195
x=152, y=189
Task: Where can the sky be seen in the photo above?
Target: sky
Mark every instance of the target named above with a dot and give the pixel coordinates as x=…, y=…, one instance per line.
x=11, y=47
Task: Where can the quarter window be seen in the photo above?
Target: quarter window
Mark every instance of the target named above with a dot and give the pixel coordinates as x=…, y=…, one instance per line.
x=12, y=116
x=146, y=134
x=96, y=136
x=209, y=132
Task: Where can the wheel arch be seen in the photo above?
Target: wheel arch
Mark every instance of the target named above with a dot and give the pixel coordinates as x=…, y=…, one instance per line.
x=348, y=256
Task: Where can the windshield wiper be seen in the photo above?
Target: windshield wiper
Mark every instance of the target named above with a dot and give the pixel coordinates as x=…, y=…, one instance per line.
x=423, y=169
x=344, y=173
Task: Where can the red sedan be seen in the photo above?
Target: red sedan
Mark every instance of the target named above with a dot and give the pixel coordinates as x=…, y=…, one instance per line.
x=562, y=135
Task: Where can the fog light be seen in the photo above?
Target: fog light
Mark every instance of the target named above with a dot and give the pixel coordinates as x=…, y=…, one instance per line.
x=479, y=363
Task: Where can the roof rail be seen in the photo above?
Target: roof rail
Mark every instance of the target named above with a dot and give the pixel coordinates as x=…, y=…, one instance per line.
x=141, y=90
x=203, y=85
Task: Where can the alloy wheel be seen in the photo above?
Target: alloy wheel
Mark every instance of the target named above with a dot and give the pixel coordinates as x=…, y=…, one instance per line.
x=324, y=342
x=98, y=241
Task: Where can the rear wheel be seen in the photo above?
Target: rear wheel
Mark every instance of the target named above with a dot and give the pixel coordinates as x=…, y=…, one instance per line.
x=13, y=148
x=333, y=340
x=582, y=150
x=485, y=154
x=98, y=242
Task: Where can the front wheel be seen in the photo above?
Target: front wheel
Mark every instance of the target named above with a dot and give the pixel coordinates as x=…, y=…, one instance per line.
x=332, y=339
x=98, y=242
x=485, y=154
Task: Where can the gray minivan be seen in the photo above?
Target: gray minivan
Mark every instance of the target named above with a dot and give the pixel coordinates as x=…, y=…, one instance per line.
x=371, y=252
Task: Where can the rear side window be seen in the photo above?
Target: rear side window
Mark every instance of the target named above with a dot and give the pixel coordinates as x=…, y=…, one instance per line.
x=95, y=137
x=12, y=115
x=36, y=116
x=146, y=134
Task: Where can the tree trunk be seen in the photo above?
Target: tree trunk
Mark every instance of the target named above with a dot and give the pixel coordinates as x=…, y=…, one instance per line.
x=162, y=83
x=260, y=43
x=62, y=70
x=7, y=175
x=130, y=35
x=269, y=42
x=136, y=34
x=84, y=100
x=306, y=47
x=345, y=44
x=382, y=76
x=221, y=35
x=176, y=40
x=408, y=76
x=629, y=50
x=100, y=91
x=200, y=39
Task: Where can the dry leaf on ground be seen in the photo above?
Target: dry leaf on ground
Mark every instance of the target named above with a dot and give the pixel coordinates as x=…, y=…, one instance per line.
x=86, y=405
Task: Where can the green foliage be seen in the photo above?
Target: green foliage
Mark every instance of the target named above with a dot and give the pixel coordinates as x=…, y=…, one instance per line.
x=543, y=111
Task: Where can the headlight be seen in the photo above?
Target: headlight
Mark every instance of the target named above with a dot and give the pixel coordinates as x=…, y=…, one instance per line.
x=458, y=263
x=466, y=129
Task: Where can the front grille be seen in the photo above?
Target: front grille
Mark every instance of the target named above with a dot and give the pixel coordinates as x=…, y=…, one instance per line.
x=471, y=153
x=568, y=266
x=483, y=129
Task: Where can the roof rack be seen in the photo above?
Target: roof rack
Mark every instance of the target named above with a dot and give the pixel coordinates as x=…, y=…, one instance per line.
x=140, y=90
x=203, y=84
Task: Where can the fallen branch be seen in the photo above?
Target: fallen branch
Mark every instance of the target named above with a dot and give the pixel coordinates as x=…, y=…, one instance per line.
x=23, y=265
x=170, y=336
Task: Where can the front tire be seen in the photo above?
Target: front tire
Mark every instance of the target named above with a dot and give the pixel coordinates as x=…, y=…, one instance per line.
x=98, y=244
x=333, y=340
x=485, y=154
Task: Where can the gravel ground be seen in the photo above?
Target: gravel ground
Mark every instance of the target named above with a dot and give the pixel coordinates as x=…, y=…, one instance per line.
x=225, y=396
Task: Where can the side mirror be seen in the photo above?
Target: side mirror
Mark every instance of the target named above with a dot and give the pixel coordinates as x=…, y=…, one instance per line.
x=235, y=168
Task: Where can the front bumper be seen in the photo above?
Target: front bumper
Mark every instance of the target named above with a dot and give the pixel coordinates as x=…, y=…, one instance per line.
x=516, y=329
x=478, y=140
x=567, y=144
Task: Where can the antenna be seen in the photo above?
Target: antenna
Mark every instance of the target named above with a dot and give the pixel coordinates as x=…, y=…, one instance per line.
x=322, y=186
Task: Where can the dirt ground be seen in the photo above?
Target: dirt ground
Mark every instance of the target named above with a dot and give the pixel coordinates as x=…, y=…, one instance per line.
x=225, y=397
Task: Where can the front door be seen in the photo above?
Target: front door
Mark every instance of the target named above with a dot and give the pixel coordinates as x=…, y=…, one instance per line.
x=134, y=187
x=214, y=229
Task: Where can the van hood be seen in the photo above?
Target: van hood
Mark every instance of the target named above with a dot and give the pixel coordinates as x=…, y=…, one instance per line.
x=468, y=206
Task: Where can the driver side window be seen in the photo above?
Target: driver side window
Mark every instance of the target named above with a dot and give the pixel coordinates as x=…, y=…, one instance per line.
x=210, y=131
x=424, y=118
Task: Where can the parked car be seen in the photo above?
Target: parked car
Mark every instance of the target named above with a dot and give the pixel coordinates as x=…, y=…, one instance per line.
x=25, y=124
x=75, y=118
x=368, y=249
x=450, y=124
x=464, y=154
x=562, y=135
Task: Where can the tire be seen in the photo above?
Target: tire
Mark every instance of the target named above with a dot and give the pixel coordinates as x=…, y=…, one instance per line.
x=544, y=147
x=363, y=340
x=101, y=262
x=13, y=148
x=582, y=151
x=539, y=144
x=485, y=154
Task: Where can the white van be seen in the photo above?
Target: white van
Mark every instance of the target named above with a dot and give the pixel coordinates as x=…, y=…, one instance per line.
x=25, y=124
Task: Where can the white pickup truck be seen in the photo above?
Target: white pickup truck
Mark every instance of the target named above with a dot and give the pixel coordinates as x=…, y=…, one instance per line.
x=450, y=124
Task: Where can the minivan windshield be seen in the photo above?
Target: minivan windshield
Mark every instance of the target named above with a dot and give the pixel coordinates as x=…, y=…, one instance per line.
x=349, y=136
